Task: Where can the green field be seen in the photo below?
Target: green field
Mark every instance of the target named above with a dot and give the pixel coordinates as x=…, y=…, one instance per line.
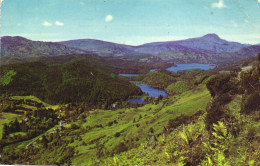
x=6, y=118
x=152, y=116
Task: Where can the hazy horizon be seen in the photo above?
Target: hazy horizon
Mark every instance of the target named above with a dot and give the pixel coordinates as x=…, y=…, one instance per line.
x=132, y=22
x=127, y=44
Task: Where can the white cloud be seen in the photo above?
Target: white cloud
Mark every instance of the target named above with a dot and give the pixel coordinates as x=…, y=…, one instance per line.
x=258, y=1
x=109, y=18
x=46, y=24
x=59, y=23
x=246, y=21
x=220, y=4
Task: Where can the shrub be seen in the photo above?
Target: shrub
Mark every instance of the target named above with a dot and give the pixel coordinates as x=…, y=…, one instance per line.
x=215, y=113
x=173, y=123
x=121, y=147
x=110, y=123
x=250, y=103
x=151, y=130
x=117, y=134
x=74, y=126
x=179, y=87
x=251, y=134
x=221, y=84
x=183, y=119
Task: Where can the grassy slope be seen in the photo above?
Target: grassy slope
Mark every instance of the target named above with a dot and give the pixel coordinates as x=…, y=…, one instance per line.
x=90, y=137
x=152, y=116
x=33, y=98
x=6, y=118
x=172, y=150
x=159, y=78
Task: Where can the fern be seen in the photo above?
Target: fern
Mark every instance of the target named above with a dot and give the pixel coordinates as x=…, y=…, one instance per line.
x=216, y=155
x=220, y=130
x=188, y=134
x=115, y=160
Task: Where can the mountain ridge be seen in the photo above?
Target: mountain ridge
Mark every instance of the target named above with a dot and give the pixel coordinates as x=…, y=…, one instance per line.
x=209, y=48
x=20, y=47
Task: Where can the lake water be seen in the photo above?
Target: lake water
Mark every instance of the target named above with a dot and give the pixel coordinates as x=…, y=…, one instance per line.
x=152, y=92
x=157, y=92
x=128, y=75
x=136, y=100
x=188, y=66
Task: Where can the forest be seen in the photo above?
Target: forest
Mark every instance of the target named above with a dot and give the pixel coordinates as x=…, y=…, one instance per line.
x=213, y=120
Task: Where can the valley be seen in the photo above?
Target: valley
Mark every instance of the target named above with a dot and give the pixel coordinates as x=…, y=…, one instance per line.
x=74, y=106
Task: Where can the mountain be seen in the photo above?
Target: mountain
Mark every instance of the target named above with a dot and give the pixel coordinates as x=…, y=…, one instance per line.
x=210, y=43
x=208, y=49
x=19, y=47
x=100, y=47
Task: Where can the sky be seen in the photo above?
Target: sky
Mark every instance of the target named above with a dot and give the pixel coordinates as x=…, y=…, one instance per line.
x=131, y=22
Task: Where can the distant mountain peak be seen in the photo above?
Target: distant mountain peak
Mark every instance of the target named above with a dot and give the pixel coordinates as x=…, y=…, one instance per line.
x=212, y=36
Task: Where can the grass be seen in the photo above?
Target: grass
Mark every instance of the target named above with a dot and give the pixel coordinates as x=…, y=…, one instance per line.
x=155, y=116
x=28, y=107
x=33, y=98
x=17, y=133
x=36, y=99
x=179, y=87
x=100, y=126
x=7, y=78
x=6, y=118
x=172, y=150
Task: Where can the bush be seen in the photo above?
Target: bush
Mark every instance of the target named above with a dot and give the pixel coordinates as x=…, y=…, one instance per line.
x=183, y=119
x=221, y=84
x=173, y=123
x=151, y=130
x=179, y=87
x=250, y=103
x=117, y=134
x=121, y=147
x=110, y=123
x=74, y=126
x=215, y=113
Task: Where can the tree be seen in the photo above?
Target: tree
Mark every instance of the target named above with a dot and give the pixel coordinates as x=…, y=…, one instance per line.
x=160, y=97
x=5, y=131
x=44, y=141
x=17, y=127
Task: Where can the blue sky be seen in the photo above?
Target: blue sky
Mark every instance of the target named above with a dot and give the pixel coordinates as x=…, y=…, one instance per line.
x=131, y=21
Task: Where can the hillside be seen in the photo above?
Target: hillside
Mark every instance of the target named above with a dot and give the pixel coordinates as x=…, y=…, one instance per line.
x=19, y=47
x=102, y=48
x=210, y=43
x=216, y=122
x=74, y=81
x=160, y=78
x=208, y=49
x=72, y=110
